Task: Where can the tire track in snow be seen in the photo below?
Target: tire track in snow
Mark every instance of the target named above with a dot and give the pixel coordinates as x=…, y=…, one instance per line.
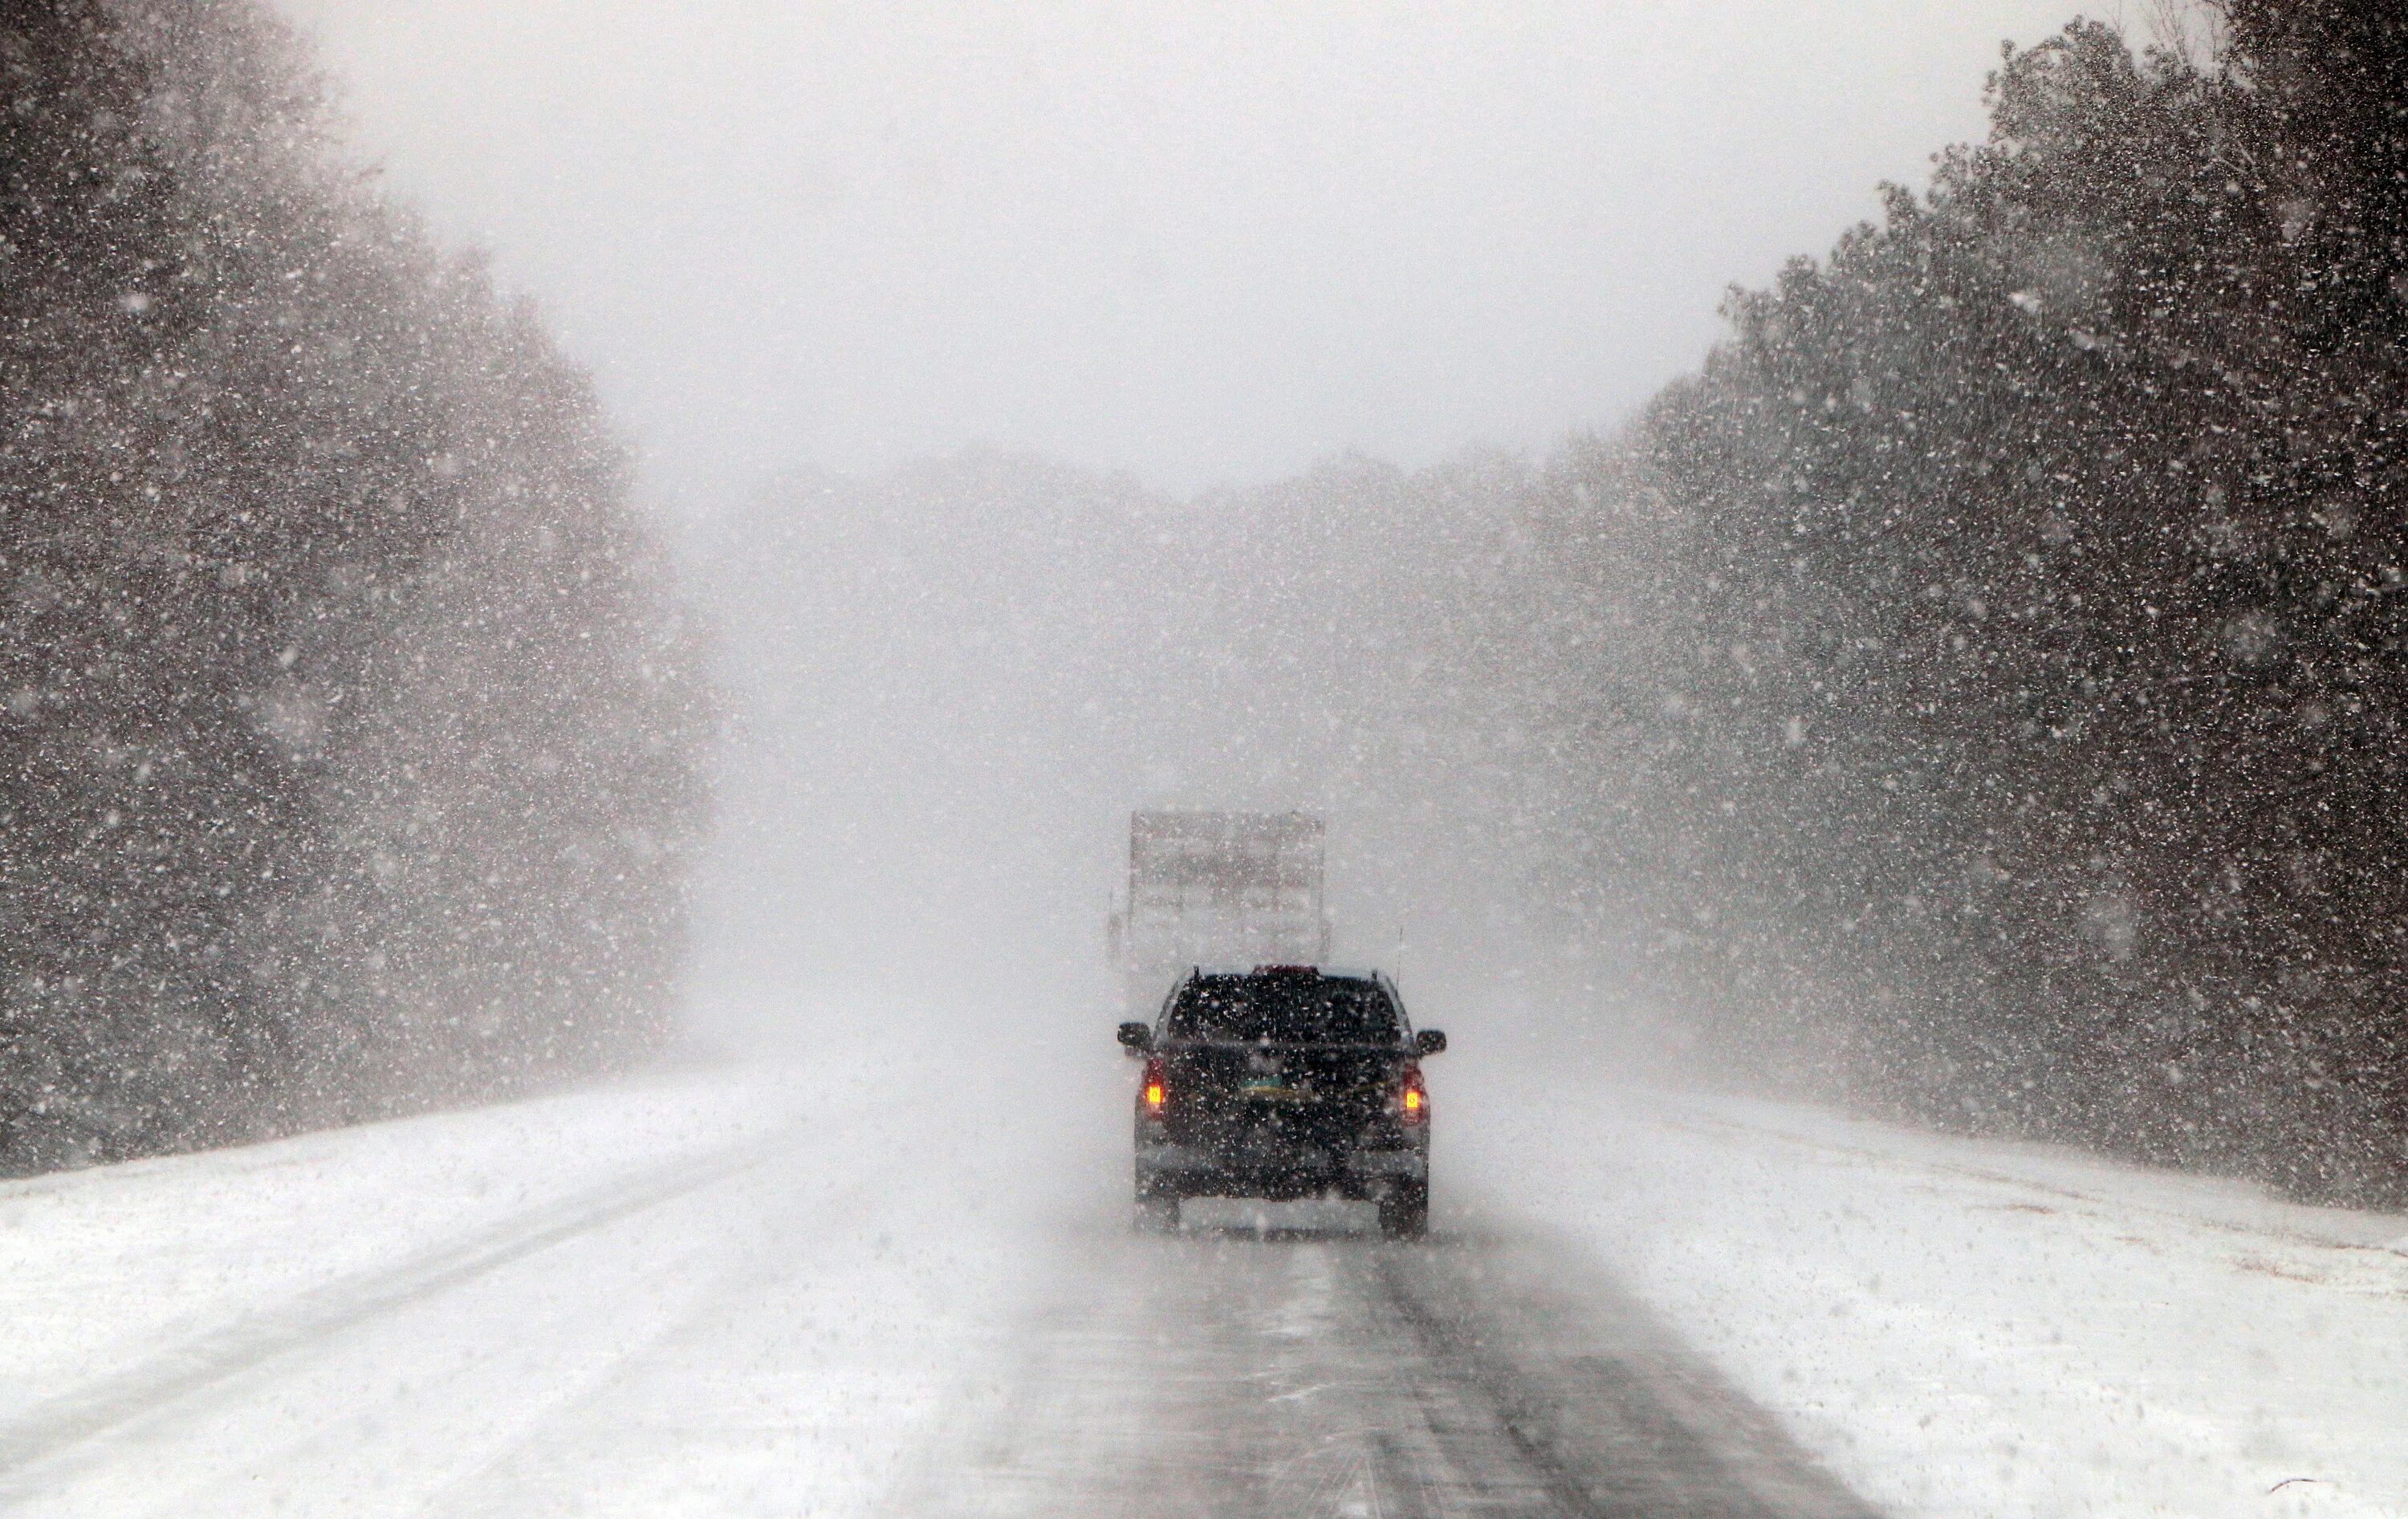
x=1585, y=1392
x=1229, y=1374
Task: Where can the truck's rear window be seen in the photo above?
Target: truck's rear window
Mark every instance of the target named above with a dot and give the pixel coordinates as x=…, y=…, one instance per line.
x=1285, y=1009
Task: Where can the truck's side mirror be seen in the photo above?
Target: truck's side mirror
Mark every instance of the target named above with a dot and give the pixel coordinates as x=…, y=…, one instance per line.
x=1136, y=1038
x=1430, y=1042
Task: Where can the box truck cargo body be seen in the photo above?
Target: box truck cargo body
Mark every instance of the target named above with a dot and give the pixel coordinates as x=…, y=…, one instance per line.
x=1218, y=889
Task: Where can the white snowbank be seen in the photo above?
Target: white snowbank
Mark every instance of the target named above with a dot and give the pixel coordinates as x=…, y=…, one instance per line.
x=1981, y=1329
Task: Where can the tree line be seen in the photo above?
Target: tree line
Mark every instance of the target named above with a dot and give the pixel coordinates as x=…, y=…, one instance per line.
x=2009, y=727
x=348, y=730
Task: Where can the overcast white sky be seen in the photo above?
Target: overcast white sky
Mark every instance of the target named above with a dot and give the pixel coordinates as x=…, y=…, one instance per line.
x=1204, y=242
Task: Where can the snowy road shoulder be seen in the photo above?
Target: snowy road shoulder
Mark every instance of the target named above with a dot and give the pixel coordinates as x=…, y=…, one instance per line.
x=1982, y=1330
x=731, y=1291
x=127, y=1286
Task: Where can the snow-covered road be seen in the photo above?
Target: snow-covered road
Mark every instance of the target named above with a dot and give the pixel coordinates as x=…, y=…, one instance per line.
x=741, y=1294
x=868, y=1287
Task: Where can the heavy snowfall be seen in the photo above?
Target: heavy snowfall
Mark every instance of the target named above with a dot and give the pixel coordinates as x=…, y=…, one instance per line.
x=594, y=600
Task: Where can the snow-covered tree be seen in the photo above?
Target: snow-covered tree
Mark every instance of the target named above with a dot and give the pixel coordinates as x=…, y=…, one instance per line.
x=2029, y=702
x=346, y=731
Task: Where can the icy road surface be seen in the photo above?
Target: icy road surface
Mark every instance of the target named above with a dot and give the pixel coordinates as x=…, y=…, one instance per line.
x=877, y=1288
x=1303, y=1373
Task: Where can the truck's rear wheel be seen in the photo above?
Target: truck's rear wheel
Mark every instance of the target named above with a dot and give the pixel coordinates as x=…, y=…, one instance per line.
x=1404, y=1212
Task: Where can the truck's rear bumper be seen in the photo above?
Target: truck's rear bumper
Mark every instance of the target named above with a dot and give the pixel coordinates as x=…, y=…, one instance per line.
x=1189, y=1172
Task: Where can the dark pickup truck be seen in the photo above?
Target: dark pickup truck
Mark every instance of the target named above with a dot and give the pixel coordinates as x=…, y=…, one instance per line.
x=1281, y=1082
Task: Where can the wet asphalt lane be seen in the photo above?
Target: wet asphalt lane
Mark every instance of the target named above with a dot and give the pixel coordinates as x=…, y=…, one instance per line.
x=1237, y=1371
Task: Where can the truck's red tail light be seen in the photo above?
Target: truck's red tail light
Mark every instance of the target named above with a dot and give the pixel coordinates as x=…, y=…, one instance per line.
x=1413, y=1101
x=1156, y=1091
